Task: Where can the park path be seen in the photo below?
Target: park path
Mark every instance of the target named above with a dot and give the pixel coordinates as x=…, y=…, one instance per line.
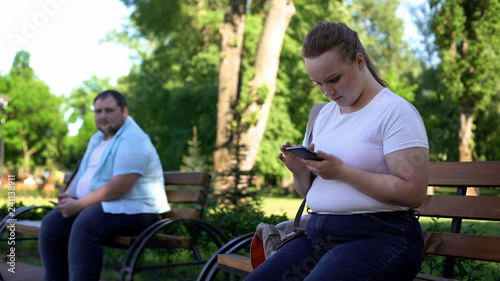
x=24, y=272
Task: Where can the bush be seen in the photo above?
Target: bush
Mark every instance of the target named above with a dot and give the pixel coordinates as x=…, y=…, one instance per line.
x=35, y=214
x=240, y=220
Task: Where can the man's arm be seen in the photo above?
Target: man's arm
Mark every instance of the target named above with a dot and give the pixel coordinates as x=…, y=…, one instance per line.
x=112, y=190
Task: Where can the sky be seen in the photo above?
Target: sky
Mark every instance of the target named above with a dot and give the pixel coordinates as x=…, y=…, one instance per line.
x=63, y=39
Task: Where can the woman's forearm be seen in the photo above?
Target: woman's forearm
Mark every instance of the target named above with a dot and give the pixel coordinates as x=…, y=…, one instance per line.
x=302, y=182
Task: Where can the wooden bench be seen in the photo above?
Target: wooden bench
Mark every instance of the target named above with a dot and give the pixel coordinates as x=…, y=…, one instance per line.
x=186, y=193
x=451, y=245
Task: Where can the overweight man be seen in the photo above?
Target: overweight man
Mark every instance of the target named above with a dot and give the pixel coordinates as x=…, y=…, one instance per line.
x=118, y=190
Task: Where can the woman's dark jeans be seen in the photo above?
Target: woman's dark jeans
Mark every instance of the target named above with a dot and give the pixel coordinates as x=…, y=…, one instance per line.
x=376, y=247
x=71, y=248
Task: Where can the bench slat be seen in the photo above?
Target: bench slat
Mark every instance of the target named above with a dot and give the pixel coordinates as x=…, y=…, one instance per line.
x=158, y=241
x=184, y=213
x=456, y=206
x=477, y=247
x=186, y=178
x=185, y=196
x=465, y=174
x=239, y=262
x=27, y=226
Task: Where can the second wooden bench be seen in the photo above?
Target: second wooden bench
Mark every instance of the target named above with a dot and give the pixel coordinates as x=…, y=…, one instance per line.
x=451, y=245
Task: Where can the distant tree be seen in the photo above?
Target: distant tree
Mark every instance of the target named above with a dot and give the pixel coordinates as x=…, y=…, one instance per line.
x=193, y=161
x=439, y=112
x=253, y=104
x=230, y=73
x=4, y=83
x=174, y=87
x=381, y=32
x=34, y=127
x=487, y=136
x=468, y=36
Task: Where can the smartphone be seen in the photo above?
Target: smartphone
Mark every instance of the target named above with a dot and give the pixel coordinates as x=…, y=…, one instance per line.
x=304, y=152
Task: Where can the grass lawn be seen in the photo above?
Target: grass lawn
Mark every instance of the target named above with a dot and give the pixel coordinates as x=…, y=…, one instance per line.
x=281, y=205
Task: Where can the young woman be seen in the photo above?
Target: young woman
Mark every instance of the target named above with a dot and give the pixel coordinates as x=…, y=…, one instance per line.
x=375, y=171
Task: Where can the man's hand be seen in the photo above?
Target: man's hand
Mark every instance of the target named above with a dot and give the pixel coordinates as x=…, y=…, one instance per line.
x=68, y=206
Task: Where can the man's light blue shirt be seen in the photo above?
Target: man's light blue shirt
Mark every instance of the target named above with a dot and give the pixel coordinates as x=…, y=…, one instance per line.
x=130, y=151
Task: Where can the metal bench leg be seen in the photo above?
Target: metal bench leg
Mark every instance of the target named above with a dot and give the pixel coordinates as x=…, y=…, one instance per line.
x=210, y=270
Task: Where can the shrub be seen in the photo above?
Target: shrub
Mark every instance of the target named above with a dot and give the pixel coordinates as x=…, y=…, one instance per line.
x=35, y=214
x=239, y=220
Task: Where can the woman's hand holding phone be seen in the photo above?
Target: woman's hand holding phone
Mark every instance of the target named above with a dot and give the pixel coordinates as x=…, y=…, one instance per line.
x=293, y=162
x=304, y=153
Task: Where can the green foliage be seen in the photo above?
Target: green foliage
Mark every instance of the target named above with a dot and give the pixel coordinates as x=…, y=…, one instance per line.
x=399, y=86
x=280, y=129
x=193, y=161
x=381, y=32
x=175, y=86
x=236, y=181
x=4, y=84
x=467, y=41
x=240, y=220
x=467, y=33
x=440, y=116
x=487, y=140
x=34, y=126
x=35, y=214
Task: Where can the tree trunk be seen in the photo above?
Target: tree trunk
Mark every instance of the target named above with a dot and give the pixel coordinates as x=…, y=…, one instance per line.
x=465, y=139
x=286, y=186
x=27, y=154
x=232, y=32
x=262, y=86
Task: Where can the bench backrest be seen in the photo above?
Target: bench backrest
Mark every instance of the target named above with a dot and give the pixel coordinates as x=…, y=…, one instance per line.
x=186, y=193
x=462, y=175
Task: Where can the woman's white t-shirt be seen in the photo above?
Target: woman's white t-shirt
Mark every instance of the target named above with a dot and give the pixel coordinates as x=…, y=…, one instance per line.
x=361, y=139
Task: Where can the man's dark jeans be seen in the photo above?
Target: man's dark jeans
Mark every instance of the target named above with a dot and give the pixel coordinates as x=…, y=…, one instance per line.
x=71, y=248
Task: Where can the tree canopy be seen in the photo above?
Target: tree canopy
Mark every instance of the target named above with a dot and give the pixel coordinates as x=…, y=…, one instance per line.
x=34, y=126
x=174, y=86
